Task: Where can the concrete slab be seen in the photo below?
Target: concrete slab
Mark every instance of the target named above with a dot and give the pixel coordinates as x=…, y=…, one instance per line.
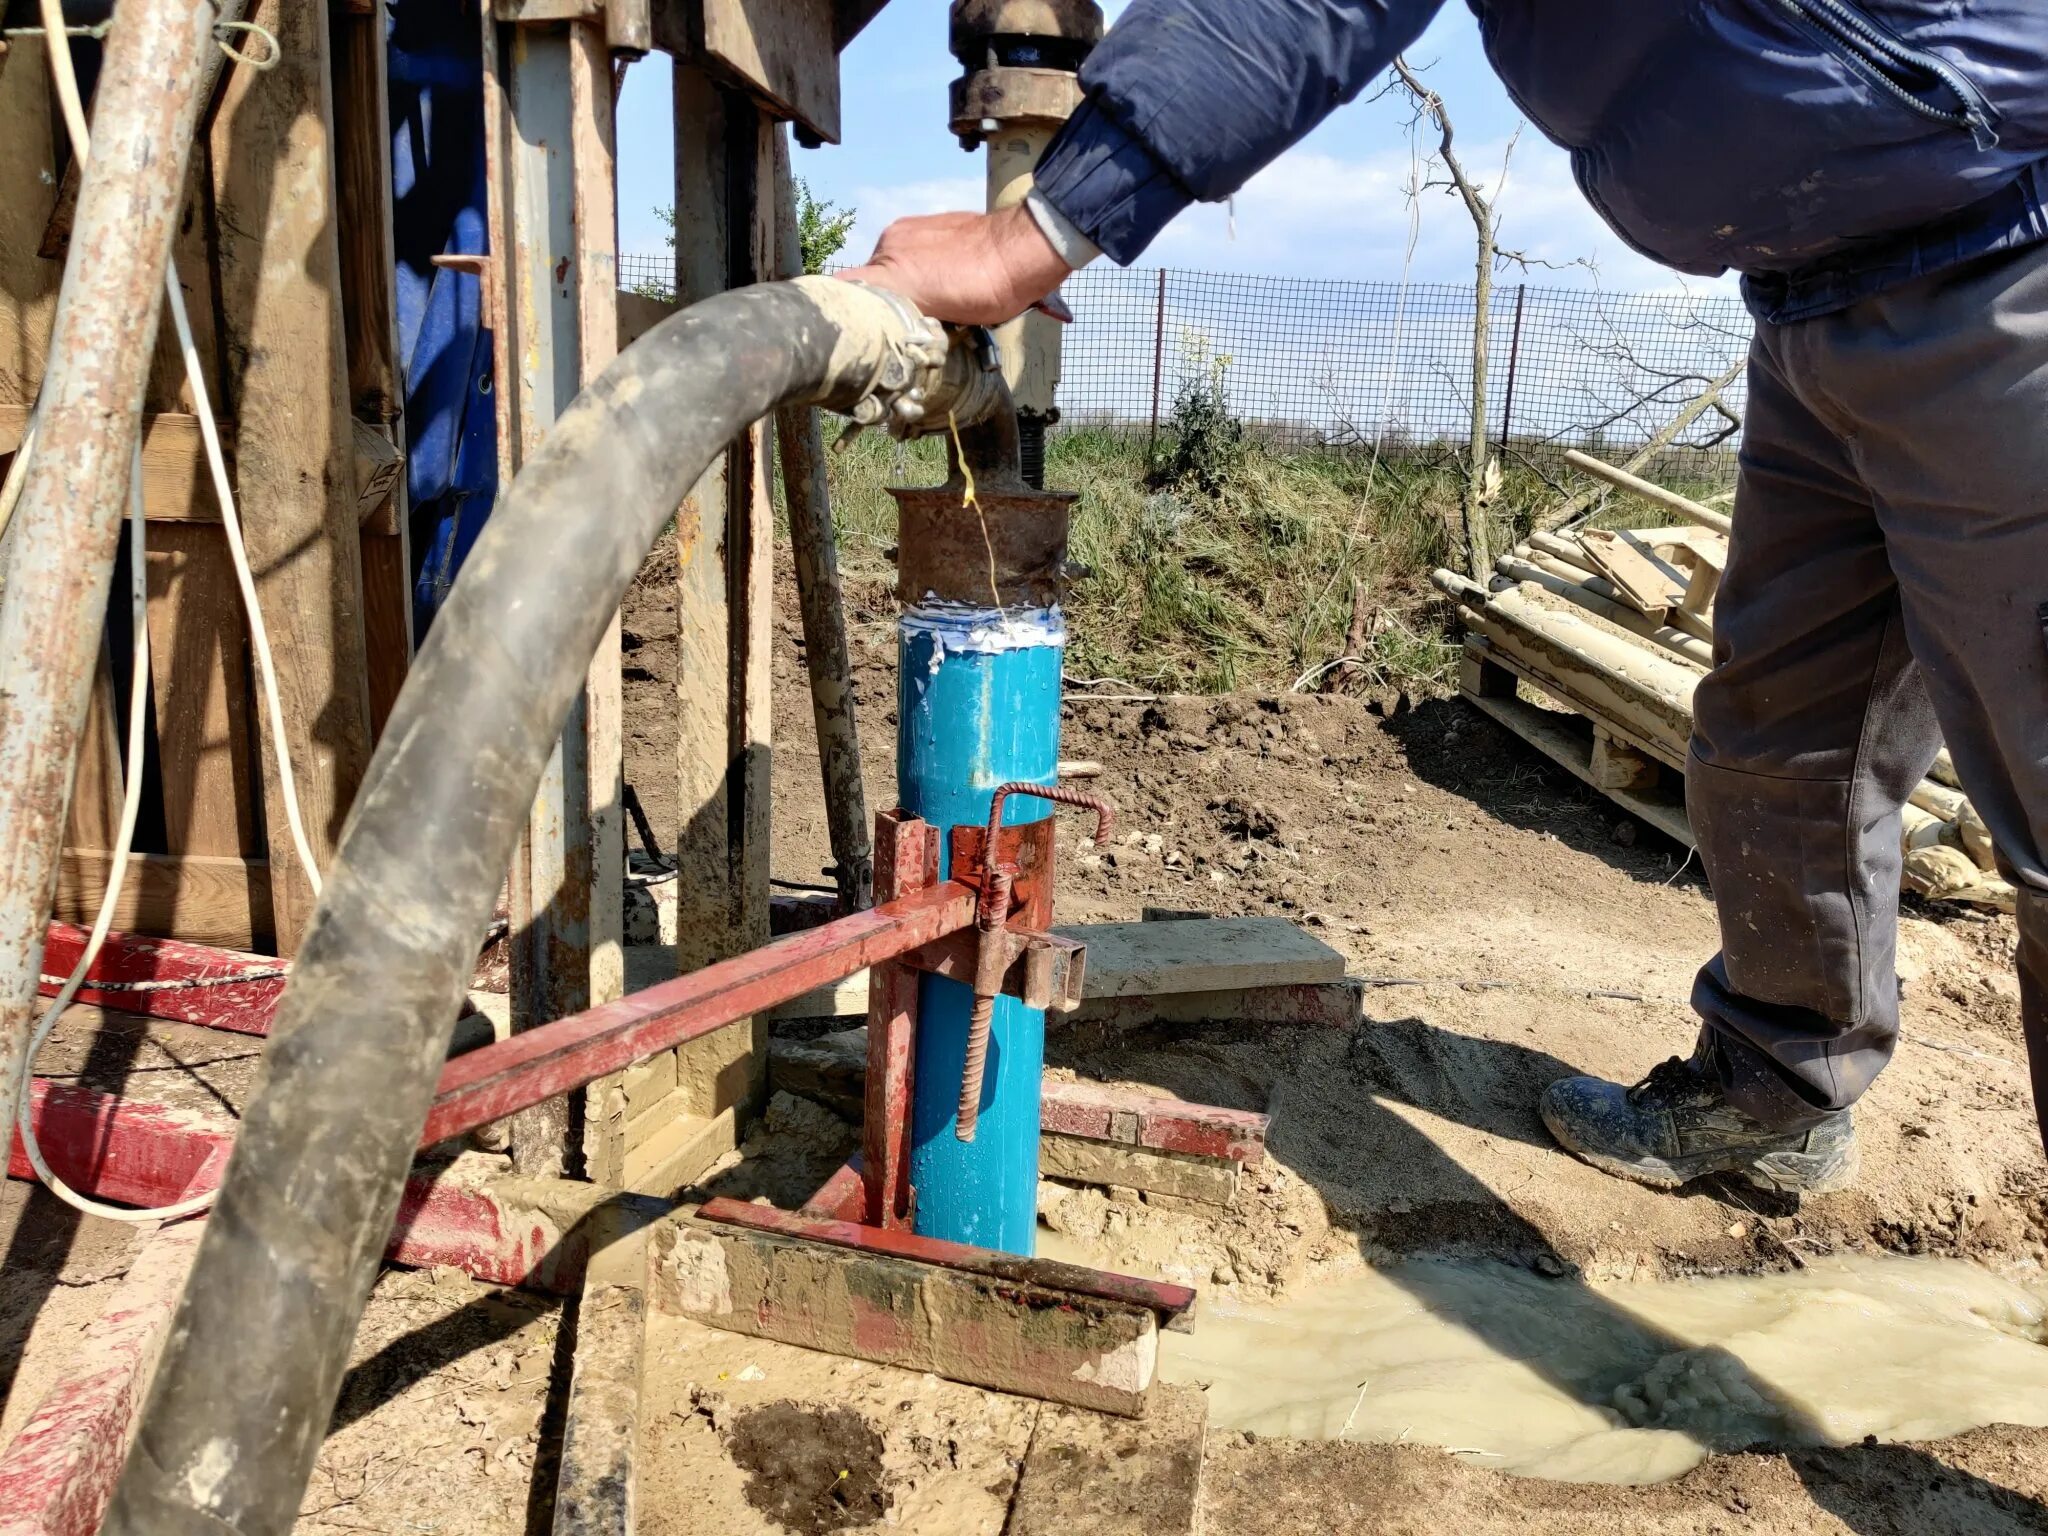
x=985, y=1331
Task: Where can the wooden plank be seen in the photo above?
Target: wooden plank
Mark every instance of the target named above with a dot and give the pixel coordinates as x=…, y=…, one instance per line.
x=96, y=784
x=602, y=858
x=549, y=112
x=1215, y=954
x=204, y=900
x=199, y=661
x=176, y=486
x=1640, y=578
x=280, y=282
x=376, y=381
x=28, y=194
x=596, y=1490
x=784, y=52
x=725, y=235
x=1559, y=738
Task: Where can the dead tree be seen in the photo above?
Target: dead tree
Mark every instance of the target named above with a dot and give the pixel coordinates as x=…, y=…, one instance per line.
x=1482, y=470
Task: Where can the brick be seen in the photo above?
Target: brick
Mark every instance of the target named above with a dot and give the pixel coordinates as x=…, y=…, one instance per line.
x=1211, y=1181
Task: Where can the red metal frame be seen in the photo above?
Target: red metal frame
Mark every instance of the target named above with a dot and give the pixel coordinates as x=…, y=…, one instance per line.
x=166, y=979
x=906, y=861
x=148, y=1155
x=532, y=1067
x=1173, y=1303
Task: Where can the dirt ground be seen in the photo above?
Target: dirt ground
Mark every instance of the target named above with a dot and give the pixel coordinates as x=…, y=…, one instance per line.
x=1512, y=927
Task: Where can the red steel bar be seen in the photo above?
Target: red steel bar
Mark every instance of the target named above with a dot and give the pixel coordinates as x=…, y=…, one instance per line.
x=131, y=1154
x=906, y=860
x=147, y=1155
x=1173, y=1303
x=843, y=1197
x=530, y=1068
x=167, y=979
x=1161, y=1124
x=58, y=1472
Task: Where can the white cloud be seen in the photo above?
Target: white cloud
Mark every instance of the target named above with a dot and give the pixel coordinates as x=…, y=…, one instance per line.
x=1313, y=214
x=879, y=206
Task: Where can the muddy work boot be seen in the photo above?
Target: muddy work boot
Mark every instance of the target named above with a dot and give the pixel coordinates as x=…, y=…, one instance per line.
x=1676, y=1125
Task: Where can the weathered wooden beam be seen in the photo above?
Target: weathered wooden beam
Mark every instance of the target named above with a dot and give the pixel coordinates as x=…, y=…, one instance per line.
x=29, y=188
x=279, y=263
x=783, y=53
x=551, y=174
x=724, y=239
x=207, y=900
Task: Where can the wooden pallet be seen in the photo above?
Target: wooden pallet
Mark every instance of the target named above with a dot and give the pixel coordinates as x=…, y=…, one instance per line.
x=1646, y=787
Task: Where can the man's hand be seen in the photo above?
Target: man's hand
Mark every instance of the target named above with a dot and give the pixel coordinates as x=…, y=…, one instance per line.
x=969, y=268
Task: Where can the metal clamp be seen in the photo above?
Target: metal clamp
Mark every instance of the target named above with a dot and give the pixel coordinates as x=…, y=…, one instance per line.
x=993, y=953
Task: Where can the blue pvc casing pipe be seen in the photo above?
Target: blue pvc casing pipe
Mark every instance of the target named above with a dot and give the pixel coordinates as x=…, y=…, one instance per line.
x=978, y=705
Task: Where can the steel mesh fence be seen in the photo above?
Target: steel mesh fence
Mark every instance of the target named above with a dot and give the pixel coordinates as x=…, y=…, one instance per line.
x=1334, y=365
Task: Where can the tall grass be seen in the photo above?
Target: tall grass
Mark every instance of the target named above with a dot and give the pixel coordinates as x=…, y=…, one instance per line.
x=1248, y=587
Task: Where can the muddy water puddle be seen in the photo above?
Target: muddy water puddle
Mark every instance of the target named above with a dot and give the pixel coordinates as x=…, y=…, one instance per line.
x=1623, y=1382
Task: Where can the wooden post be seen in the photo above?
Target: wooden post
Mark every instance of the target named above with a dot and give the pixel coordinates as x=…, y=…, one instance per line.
x=1507, y=405
x=1158, y=359
x=376, y=379
x=287, y=388
x=724, y=238
x=28, y=194
x=553, y=306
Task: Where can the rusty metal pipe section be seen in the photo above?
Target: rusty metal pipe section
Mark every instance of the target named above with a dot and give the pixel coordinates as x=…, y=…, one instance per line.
x=248, y=1380
x=991, y=912
x=159, y=55
x=1020, y=60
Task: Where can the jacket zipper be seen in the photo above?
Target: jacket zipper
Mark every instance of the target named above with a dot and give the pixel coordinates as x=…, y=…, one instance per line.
x=1885, y=57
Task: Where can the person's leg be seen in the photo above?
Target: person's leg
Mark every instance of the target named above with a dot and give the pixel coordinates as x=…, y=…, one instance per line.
x=1946, y=381
x=1808, y=735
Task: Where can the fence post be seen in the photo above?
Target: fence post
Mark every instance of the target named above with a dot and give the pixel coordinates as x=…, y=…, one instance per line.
x=1158, y=361
x=1507, y=407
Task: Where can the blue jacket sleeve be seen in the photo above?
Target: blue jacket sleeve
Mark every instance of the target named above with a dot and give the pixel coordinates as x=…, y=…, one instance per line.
x=1188, y=99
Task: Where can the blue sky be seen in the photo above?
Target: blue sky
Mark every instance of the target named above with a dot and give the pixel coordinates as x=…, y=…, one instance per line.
x=1335, y=206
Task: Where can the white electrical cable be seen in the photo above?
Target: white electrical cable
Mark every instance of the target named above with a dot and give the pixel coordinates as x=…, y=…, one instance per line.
x=66, y=82
x=131, y=807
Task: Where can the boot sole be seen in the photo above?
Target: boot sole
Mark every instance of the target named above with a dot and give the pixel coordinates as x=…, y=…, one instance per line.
x=1785, y=1173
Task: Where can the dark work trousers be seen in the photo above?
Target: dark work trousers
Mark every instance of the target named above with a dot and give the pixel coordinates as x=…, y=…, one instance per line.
x=1886, y=588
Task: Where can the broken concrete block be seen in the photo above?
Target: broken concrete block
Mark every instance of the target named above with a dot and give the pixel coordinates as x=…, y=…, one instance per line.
x=1212, y=955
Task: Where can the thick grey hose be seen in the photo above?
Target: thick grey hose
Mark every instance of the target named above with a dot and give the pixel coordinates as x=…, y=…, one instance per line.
x=249, y=1376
